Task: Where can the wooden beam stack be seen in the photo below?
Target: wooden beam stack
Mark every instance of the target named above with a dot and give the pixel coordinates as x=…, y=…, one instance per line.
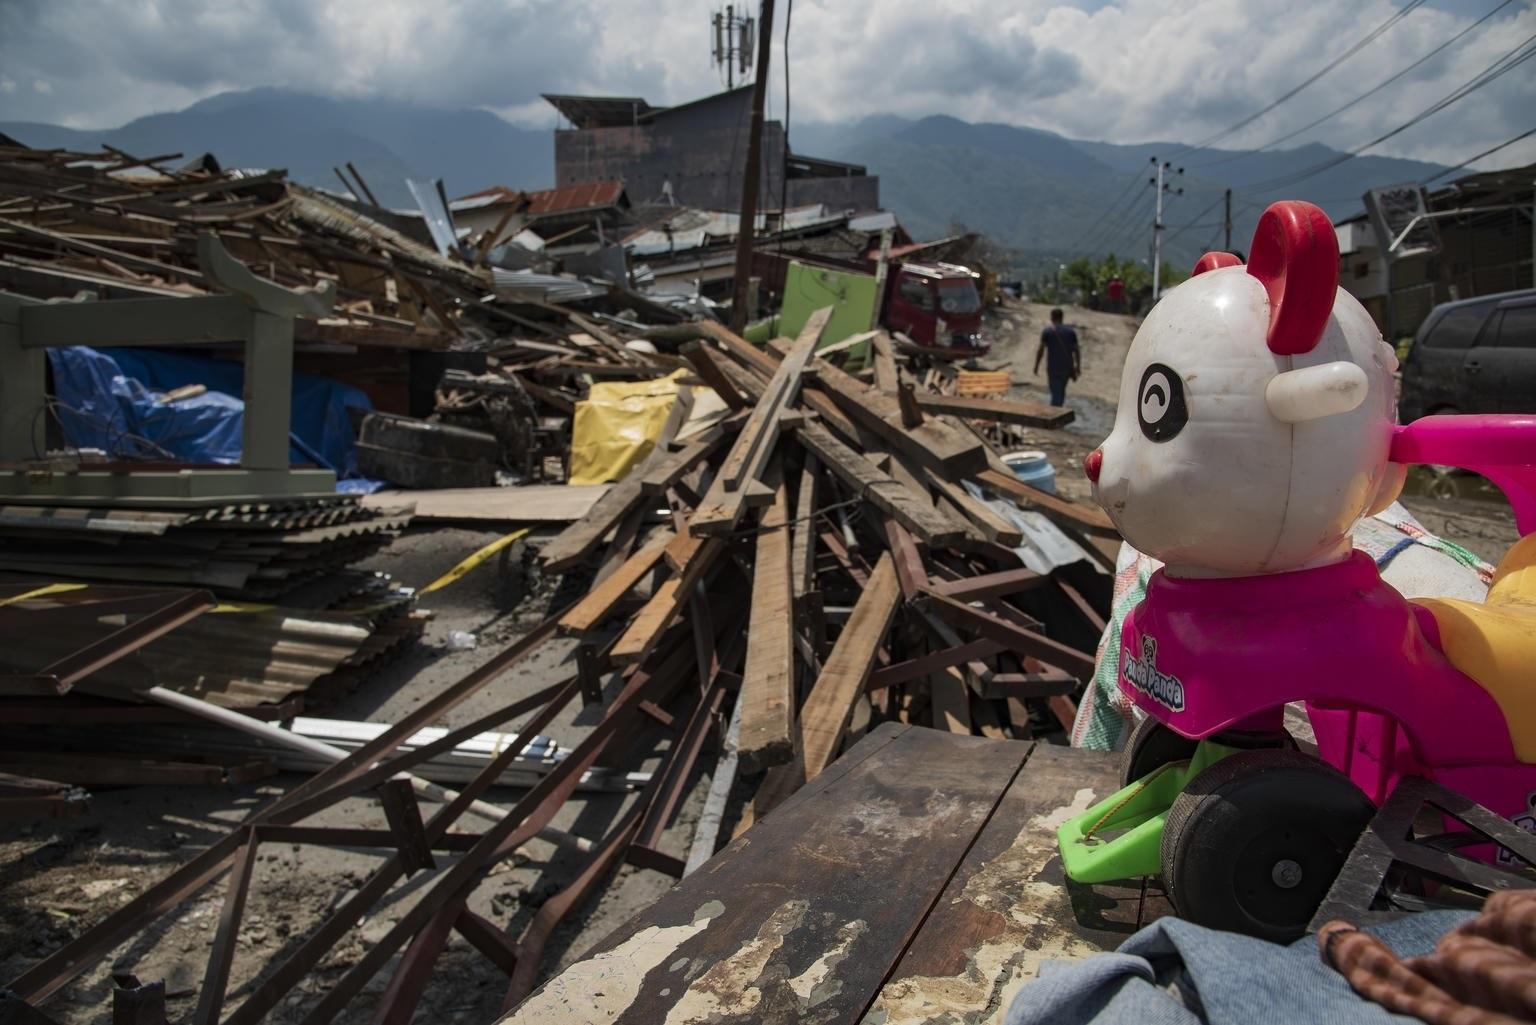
x=864, y=529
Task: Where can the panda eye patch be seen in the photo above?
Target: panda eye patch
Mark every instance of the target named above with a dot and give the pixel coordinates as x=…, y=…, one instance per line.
x=1160, y=404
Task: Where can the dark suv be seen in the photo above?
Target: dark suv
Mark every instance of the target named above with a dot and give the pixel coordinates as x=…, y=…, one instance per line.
x=1473, y=356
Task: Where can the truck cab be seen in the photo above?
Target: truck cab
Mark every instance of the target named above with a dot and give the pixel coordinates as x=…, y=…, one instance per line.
x=938, y=306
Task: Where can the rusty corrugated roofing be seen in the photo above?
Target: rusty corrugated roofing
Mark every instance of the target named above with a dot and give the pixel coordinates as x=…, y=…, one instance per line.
x=568, y=198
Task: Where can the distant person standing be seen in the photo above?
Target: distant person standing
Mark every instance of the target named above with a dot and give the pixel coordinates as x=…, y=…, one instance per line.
x=1058, y=344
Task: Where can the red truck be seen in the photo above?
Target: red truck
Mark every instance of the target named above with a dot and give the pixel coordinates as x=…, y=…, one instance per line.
x=937, y=305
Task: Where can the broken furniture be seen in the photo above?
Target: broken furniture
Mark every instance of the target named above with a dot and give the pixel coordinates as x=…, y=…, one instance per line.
x=255, y=312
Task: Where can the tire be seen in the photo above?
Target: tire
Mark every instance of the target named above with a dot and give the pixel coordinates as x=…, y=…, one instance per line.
x=1255, y=841
x=1151, y=746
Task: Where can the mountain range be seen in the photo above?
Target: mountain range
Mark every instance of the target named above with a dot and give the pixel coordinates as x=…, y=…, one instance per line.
x=1043, y=196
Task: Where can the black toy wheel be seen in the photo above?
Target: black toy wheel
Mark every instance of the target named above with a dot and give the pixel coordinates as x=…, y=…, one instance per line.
x=1254, y=842
x=1151, y=746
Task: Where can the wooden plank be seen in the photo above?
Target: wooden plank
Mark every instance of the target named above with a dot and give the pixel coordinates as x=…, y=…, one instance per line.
x=802, y=556
x=1085, y=517
x=768, y=680
x=1025, y=414
x=529, y=503
x=1079, y=663
x=993, y=527
x=802, y=918
x=991, y=585
x=669, y=470
x=573, y=544
x=830, y=702
x=864, y=478
x=706, y=364
x=763, y=364
x=947, y=449
x=910, y=571
x=1008, y=908
x=653, y=618
x=887, y=379
x=600, y=602
x=727, y=498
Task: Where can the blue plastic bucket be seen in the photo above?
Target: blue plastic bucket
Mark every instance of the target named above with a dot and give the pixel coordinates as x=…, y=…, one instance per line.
x=1033, y=468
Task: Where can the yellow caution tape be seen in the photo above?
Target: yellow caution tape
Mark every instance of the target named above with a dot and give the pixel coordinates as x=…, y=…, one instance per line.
x=473, y=561
x=41, y=592
x=241, y=606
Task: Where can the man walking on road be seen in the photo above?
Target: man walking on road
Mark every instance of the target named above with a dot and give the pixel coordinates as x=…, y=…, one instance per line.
x=1058, y=343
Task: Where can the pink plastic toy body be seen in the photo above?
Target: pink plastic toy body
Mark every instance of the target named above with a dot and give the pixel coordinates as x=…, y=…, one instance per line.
x=1206, y=655
x=1256, y=426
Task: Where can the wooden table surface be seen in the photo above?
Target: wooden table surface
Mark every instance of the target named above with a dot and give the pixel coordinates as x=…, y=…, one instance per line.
x=916, y=878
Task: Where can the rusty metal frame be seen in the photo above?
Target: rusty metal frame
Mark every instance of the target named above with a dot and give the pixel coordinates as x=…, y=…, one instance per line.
x=409, y=841
x=159, y=611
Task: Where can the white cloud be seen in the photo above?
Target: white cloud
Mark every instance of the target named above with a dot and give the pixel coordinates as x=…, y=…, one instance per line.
x=1131, y=70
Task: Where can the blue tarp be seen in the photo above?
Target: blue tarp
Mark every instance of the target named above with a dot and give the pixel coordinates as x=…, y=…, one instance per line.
x=114, y=393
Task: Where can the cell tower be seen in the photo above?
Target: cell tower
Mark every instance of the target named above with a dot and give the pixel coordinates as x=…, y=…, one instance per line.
x=734, y=43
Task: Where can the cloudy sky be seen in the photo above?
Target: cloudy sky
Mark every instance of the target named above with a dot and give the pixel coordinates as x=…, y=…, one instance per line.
x=1123, y=70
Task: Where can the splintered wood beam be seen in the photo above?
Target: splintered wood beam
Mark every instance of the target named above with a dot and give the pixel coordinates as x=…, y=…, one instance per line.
x=1006, y=411
x=598, y=604
x=910, y=571
x=1088, y=518
x=927, y=665
x=803, y=549
x=1018, y=638
x=889, y=496
x=639, y=640
x=728, y=496
x=768, y=681
x=990, y=585
x=763, y=364
x=950, y=450
x=670, y=469
x=829, y=706
x=573, y=544
x=887, y=379
x=702, y=361
x=994, y=527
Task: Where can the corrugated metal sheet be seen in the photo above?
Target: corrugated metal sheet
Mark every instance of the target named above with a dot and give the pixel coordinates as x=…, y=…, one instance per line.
x=570, y=198
x=522, y=284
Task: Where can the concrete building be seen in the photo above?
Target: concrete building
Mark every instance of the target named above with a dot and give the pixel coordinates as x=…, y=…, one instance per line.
x=692, y=155
x=1484, y=228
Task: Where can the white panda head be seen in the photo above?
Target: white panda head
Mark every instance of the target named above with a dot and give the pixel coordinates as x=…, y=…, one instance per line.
x=1256, y=412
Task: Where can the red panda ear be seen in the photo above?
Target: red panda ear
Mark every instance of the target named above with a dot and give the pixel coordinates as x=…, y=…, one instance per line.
x=1215, y=261
x=1295, y=254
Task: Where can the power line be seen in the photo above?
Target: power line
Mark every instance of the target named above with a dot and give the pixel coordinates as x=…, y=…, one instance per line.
x=1363, y=96
x=1370, y=37
x=1091, y=233
x=1485, y=153
x=1511, y=60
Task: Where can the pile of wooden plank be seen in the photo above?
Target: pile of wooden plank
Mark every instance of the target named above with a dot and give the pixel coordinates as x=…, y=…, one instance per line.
x=875, y=545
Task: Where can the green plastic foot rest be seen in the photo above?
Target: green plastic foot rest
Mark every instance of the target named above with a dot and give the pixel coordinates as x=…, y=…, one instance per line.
x=1091, y=852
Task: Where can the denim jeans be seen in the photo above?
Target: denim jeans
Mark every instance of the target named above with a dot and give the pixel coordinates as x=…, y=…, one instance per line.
x=1177, y=973
x=1058, y=390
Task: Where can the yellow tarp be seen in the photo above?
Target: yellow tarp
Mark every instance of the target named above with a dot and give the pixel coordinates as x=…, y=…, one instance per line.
x=617, y=426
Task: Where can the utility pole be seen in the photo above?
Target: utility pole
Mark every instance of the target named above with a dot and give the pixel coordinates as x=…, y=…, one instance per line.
x=1227, y=247
x=750, y=175
x=1163, y=167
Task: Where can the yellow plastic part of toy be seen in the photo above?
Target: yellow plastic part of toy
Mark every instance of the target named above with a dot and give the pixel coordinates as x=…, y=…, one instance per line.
x=1495, y=642
x=617, y=426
